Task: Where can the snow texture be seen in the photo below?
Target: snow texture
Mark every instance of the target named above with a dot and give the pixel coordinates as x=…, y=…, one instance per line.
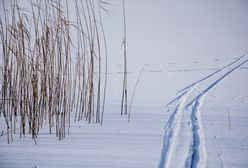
x=190, y=106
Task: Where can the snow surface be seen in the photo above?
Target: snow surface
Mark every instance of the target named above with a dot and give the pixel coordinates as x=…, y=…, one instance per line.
x=177, y=43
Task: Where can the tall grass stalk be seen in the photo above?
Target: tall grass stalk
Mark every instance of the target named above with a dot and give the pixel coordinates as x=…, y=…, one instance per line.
x=47, y=74
x=124, y=43
x=134, y=90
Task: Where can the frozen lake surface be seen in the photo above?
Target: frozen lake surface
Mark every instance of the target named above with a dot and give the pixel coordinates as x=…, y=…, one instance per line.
x=177, y=44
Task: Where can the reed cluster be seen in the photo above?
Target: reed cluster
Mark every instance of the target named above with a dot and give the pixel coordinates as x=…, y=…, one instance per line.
x=46, y=74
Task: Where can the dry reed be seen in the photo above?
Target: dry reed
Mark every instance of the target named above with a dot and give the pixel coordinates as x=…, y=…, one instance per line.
x=124, y=43
x=39, y=81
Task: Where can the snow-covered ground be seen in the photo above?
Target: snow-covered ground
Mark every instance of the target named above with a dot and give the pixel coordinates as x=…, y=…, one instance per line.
x=177, y=43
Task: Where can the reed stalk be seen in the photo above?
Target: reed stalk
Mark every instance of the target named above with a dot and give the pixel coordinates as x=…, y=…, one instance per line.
x=39, y=81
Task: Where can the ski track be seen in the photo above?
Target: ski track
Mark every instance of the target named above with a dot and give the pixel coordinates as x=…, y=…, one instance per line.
x=168, y=132
x=197, y=155
x=212, y=74
x=215, y=83
x=177, y=127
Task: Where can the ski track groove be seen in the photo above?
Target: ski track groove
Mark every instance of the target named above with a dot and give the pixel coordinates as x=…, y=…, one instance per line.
x=167, y=137
x=212, y=74
x=197, y=153
x=197, y=150
x=215, y=83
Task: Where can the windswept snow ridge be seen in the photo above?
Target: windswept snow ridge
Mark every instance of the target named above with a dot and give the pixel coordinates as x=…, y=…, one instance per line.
x=188, y=103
